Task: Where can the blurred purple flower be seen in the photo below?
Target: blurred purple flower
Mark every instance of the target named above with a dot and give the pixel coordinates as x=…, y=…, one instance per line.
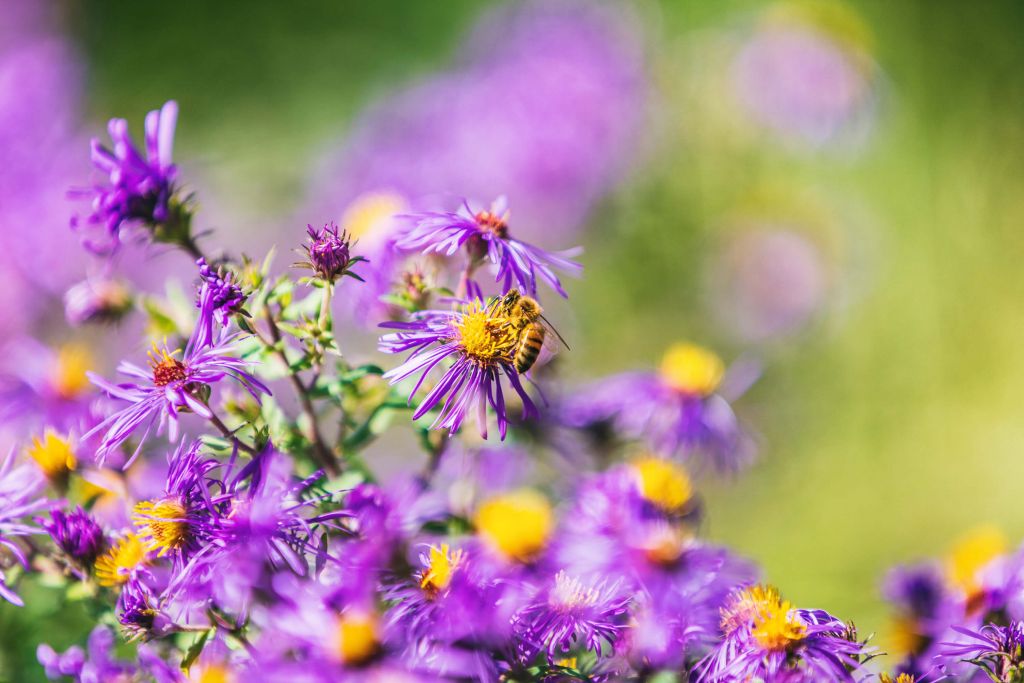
x=996, y=649
x=20, y=495
x=99, y=300
x=139, y=188
x=77, y=534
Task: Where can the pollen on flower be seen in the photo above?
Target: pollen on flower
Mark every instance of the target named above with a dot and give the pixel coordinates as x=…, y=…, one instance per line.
x=357, y=637
x=54, y=455
x=973, y=553
x=569, y=593
x=493, y=223
x=691, y=369
x=166, y=368
x=665, y=545
x=117, y=565
x=69, y=378
x=517, y=524
x=773, y=623
x=663, y=483
x=485, y=336
x=163, y=525
x=443, y=563
x=370, y=214
x=211, y=673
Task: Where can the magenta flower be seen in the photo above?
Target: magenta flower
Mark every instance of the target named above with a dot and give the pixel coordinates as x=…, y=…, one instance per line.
x=139, y=188
x=485, y=235
x=481, y=347
x=20, y=496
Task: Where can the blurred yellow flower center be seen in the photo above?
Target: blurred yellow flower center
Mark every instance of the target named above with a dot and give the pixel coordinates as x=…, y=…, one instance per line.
x=438, y=574
x=357, y=637
x=166, y=368
x=665, y=546
x=692, y=370
x=117, y=565
x=517, y=524
x=663, y=483
x=162, y=524
x=369, y=215
x=567, y=662
x=903, y=636
x=54, y=456
x=69, y=378
x=212, y=673
x=493, y=223
x=902, y=678
x=486, y=337
x=971, y=554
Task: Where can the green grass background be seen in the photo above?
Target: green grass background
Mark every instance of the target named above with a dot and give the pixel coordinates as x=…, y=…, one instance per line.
x=889, y=428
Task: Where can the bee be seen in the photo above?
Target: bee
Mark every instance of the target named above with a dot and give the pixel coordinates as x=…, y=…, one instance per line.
x=526, y=317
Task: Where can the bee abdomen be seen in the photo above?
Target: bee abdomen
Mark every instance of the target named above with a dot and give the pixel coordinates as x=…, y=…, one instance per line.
x=529, y=347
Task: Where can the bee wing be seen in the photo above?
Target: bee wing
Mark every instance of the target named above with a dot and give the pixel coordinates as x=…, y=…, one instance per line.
x=551, y=328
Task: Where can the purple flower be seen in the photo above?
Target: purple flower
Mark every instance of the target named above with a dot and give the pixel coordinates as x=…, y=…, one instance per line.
x=77, y=535
x=169, y=387
x=97, y=301
x=569, y=613
x=485, y=235
x=140, y=188
x=20, y=489
x=767, y=639
x=329, y=254
x=225, y=296
x=481, y=344
x=804, y=84
x=998, y=650
x=682, y=410
x=99, y=665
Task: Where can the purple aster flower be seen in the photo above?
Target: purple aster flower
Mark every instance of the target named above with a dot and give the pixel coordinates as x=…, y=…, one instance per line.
x=682, y=410
x=169, y=387
x=767, y=639
x=807, y=80
x=79, y=537
x=20, y=496
x=329, y=254
x=485, y=235
x=996, y=649
x=140, y=188
x=97, y=301
x=569, y=613
x=225, y=296
x=98, y=665
x=481, y=344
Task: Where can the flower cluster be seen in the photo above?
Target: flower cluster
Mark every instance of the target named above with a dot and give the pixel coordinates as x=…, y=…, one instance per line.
x=264, y=540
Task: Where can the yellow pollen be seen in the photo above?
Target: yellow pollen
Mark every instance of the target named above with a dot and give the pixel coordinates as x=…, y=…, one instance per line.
x=666, y=545
x=567, y=662
x=569, y=593
x=691, y=369
x=357, y=637
x=69, y=378
x=166, y=368
x=485, y=336
x=369, y=215
x=212, y=673
x=117, y=565
x=54, y=456
x=517, y=524
x=162, y=524
x=902, y=678
x=443, y=564
x=772, y=622
x=494, y=223
x=971, y=554
x=663, y=483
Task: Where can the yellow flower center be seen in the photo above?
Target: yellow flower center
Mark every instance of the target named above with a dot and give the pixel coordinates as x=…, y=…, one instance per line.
x=493, y=223
x=567, y=662
x=166, y=368
x=665, y=545
x=691, y=369
x=663, y=483
x=772, y=622
x=971, y=554
x=117, y=565
x=163, y=524
x=69, y=378
x=902, y=678
x=485, y=336
x=904, y=636
x=357, y=637
x=570, y=594
x=517, y=524
x=438, y=574
x=212, y=673
x=54, y=456
x=369, y=215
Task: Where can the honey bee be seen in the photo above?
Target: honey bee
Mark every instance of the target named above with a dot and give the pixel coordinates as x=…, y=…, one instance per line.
x=526, y=317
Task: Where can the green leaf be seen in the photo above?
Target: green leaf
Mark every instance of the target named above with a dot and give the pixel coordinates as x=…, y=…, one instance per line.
x=194, y=650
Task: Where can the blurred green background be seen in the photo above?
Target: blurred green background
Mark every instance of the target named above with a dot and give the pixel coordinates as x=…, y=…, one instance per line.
x=889, y=425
